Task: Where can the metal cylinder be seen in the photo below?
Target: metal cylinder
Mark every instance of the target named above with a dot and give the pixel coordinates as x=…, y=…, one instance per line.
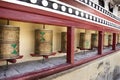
x=9, y=42
x=94, y=40
x=85, y=41
x=43, y=42
x=118, y=39
x=109, y=40
x=105, y=40
x=63, y=41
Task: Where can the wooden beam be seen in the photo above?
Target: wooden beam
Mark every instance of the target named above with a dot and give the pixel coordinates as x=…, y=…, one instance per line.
x=114, y=41
x=100, y=42
x=38, y=18
x=16, y=12
x=70, y=45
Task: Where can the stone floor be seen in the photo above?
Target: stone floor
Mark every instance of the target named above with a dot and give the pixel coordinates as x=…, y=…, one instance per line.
x=30, y=66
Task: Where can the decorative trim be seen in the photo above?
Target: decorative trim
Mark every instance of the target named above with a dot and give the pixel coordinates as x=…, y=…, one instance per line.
x=98, y=8
x=65, y=9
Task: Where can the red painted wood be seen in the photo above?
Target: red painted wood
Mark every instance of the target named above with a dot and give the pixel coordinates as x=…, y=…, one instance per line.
x=30, y=17
x=114, y=41
x=35, y=18
x=15, y=59
x=33, y=10
x=70, y=45
x=84, y=48
x=16, y=12
x=12, y=60
x=100, y=42
x=89, y=9
x=38, y=55
x=94, y=57
x=45, y=56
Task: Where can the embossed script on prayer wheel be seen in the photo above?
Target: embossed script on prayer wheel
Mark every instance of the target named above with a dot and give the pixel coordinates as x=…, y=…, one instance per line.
x=63, y=41
x=84, y=42
x=94, y=40
x=43, y=42
x=9, y=42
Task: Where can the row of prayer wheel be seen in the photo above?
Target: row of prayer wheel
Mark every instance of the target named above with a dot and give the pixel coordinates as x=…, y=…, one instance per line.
x=84, y=42
x=9, y=41
x=108, y=39
x=87, y=41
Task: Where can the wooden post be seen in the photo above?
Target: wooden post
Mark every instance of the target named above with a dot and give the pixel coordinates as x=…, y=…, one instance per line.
x=70, y=45
x=100, y=42
x=114, y=41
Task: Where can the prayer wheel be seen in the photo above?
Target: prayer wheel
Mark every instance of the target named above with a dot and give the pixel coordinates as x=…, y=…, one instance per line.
x=105, y=40
x=94, y=40
x=9, y=42
x=63, y=41
x=109, y=40
x=43, y=42
x=85, y=41
x=118, y=39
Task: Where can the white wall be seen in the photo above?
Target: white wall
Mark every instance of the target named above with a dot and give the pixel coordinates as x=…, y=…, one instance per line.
x=119, y=13
x=115, y=9
x=95, y=1
x=105, y=68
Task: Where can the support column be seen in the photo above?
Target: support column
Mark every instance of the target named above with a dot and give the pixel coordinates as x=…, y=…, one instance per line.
x=114, y=41
x=70, y=45
x=100, y=42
